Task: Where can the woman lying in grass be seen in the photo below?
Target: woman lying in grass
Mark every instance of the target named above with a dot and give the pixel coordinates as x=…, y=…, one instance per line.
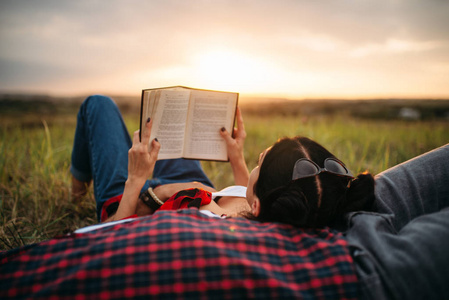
x=120, y=168
x=287, y=185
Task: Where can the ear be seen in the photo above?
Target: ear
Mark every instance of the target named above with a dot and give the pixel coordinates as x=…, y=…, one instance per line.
x=255, y=207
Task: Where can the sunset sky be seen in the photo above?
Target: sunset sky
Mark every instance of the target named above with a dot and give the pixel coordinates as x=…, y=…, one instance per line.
x=286, y=48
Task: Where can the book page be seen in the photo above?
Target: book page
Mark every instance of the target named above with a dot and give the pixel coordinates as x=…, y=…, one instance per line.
x=209, y=111
x=168, y=110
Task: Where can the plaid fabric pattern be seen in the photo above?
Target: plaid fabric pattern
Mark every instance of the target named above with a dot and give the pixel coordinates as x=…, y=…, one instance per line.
x=180, y=255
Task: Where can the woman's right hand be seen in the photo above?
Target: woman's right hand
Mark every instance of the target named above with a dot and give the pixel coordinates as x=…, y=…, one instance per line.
x=234, y=146
x=140, y=167
x=141, y=162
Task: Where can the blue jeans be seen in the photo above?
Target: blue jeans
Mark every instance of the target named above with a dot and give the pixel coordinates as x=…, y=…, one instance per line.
x=402, y=252
x=100, y=152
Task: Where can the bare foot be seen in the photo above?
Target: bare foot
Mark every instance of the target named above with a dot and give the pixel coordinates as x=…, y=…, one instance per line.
x=79, y=189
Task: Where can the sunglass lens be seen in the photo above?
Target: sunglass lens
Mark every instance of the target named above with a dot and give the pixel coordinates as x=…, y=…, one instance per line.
x=304, y=168
x=335, y=167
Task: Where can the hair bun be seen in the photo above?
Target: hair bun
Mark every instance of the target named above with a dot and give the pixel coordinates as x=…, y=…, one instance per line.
x=288, y=205
x=360, y=194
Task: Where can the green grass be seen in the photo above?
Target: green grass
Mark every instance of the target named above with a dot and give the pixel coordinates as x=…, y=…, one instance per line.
x=35, y=159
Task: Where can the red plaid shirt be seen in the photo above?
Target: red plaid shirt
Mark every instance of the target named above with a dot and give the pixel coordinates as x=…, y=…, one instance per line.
x=183, y=254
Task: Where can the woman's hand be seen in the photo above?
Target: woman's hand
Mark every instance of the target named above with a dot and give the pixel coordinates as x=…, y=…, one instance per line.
x=235, y=147
x=140, y=161
x=140, y=167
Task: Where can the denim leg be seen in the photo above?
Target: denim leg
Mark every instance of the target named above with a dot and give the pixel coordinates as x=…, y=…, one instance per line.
x=179, y=170
x=409, y=264
x=416, y=187
x=100, y=150
x=401, y=252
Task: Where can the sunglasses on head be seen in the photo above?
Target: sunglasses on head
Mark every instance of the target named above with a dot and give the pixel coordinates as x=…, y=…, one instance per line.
x=306, y=168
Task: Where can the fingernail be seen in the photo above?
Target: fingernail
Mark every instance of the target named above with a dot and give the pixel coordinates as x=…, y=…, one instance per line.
x=156, y=140
x=223, y=129
x=148, y=120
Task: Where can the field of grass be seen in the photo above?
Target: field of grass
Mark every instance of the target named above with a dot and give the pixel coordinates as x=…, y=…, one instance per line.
x=35, y=159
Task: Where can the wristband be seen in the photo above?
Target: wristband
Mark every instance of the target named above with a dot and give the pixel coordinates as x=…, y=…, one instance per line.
x=151, y=200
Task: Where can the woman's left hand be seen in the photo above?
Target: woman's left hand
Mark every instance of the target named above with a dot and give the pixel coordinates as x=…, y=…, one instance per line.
x=234, y=147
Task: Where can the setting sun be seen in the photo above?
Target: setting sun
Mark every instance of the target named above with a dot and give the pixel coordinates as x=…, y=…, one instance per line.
x=229, y=70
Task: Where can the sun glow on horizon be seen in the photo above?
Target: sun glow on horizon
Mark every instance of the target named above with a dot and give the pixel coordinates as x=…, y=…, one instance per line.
x=256, y=74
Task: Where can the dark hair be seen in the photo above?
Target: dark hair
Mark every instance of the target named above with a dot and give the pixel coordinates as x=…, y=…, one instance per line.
x=308, y=202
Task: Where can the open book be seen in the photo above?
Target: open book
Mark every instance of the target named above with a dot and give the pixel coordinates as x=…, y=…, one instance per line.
x=187, y=121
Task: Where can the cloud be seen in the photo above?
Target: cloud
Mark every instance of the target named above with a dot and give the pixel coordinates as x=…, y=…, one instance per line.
x=395, y=46
x=133, y=42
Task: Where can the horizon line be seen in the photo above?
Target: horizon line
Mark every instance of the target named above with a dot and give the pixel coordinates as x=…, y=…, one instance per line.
x=242, y=96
